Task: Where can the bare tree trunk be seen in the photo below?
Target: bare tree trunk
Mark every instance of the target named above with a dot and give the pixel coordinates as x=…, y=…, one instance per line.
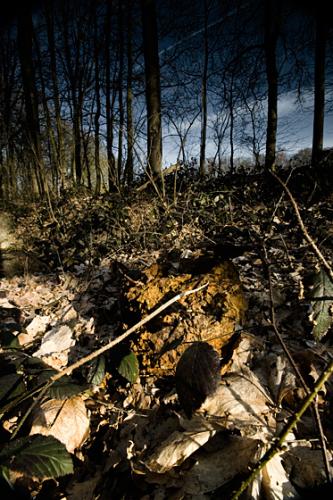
x=109, y=101
x=49, y=12
x=49, y=129
x=75, y=91
x=271, y=35
x=231, y=125
x=129, y=101
x=77, y=141
x=319, y=92
x=202, y=165
x=120, y=93
x=24, y=38
x=7, y=91
x=98, y=104
x=153, y=90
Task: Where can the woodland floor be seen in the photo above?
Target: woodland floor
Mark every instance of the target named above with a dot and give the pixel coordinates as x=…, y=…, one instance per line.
x=144, y=420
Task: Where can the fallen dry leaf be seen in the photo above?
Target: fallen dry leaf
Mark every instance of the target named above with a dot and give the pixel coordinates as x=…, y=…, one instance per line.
x=66, y=420
x=36, y=327
x=275, y=482
x=176, y=449
x=243, y=404
x=57, y=340
x=214, y=468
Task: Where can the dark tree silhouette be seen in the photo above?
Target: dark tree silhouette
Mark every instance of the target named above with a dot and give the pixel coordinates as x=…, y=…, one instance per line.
x=24, y=38
x=271, y=35
x=153, y=90
x=319, y=84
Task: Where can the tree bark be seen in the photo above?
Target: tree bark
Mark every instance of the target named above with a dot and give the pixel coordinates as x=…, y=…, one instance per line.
x=24, y=39
x=49, y=12
x=129, y=101
x=153, y=90
x=109, y=101
x=98, y=103
x=271, y=35
x=75, y=91
x=319, y=91
x=202, y=164
x=120, y=92
x=49, y=129
x=231, y=124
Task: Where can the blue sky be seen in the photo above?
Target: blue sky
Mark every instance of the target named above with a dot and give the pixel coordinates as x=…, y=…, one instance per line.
x=295, y=121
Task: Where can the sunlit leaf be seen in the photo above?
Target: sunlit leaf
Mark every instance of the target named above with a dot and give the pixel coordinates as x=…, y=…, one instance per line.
x=66, y=420
x=129, y=367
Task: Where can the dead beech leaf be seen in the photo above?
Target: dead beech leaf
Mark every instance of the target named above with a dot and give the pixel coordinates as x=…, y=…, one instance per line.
x=4, y=303
x=275, y=482
x=321, y=315
x=216, y=467
x=305, y=465
x=65, y=420
x=176, y=449
x=70, y=314
x=36, y=327
x=56, y=340
x=84, y=490
x=243, y=404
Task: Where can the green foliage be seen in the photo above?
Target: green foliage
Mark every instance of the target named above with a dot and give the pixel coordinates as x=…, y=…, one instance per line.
x=97, y=371
x=129, y=367
x=65, y=388
x=39, y=456
x=8, y=340
x=321, y=309
x=11, y=386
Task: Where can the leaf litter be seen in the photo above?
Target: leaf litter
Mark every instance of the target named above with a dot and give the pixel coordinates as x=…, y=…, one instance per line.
x=130, y=428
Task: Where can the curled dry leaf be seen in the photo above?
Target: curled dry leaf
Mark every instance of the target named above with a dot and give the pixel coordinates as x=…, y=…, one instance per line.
x=56, y=340
x=65, y=420
x=321, y=315
x=242, y=403
x=305, y=466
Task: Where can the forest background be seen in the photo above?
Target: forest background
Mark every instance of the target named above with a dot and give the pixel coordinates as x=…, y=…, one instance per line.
x=95, y=93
